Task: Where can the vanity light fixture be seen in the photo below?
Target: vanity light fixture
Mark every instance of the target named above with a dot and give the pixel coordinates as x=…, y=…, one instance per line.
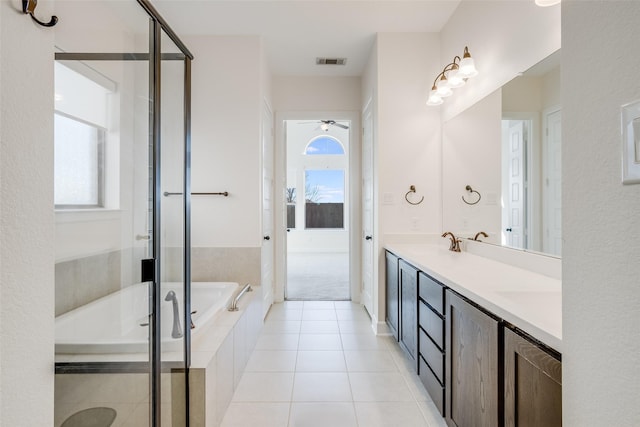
x=454, y=74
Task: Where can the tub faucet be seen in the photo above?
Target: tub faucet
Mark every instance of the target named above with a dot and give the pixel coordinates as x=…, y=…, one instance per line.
x=455, y=242
x=176, y=331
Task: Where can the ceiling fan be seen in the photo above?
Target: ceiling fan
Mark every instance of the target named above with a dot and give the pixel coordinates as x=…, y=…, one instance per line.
x=324, y=124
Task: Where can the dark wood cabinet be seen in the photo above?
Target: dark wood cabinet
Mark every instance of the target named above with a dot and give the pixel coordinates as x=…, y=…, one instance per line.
x=532, y=384
x=409, y=309
x=472, y=364
x=478, y=371
x=392, y=298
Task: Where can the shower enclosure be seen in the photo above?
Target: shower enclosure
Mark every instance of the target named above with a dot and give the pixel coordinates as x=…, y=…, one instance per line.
x=122, y=193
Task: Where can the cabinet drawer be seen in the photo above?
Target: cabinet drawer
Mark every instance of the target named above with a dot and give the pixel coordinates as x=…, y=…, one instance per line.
x=432, y=355
x=432, y=292
x=432, y=324
x=432, y=385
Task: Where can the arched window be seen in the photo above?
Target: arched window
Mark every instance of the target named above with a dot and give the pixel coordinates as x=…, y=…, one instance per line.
x=324, y=145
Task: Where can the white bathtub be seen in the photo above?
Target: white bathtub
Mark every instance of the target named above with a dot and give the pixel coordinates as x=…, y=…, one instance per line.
x=112, y=324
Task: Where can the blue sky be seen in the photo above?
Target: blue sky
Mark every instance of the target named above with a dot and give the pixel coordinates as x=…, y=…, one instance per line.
x=330, y=183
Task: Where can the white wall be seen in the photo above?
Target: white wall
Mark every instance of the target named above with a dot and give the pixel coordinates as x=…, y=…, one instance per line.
x=26, y=218
x=504, y=38
x=407, y=142
x=227, y=104
x=409, y=134
x=601, y=225
x=316, y=93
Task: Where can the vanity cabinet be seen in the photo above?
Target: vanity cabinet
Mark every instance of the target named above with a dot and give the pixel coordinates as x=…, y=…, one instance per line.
x=392, y=300
x=431, y=342
x=532, y=384
x=408, y=276
x=472, y=365
x=478, y=369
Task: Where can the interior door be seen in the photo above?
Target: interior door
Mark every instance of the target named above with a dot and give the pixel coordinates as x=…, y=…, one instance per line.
x=552, y=242
x=268, y=252
x=367, y=209
x=515, y=227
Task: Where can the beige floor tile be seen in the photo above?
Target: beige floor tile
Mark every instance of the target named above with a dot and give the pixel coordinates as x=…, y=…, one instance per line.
x=281, y=327
x=321, y=387
x=369, y=361
x=264, y=387
x=277, y=342
x=379, y=387
x=312, y=314
x=320, y=342
x=319, y=327
x=389, y=414
x=253, y=414
x=363, y=342
x=272, y=361
x=322, y=415
x=321, y=361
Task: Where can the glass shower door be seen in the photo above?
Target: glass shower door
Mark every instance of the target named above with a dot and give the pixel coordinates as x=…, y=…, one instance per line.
x=174, y=233
x=123, y=246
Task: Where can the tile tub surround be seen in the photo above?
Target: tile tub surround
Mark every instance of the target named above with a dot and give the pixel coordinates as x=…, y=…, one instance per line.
x=82, y=280
x=240, y=265
x=318, y=363
x=527, y=300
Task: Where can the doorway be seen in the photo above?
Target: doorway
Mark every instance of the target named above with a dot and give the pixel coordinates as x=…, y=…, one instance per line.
x=317, y=210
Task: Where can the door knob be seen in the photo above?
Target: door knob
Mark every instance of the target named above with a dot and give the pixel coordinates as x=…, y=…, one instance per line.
x=368, y=237
x=509, y=230
x=267, y=238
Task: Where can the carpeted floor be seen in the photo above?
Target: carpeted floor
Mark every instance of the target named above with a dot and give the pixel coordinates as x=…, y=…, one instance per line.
x=318, y=276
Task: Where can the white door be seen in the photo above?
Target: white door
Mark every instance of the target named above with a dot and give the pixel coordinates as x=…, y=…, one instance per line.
x=267, y=209
x=552, y=238
x=367, y=210
x=515, y=227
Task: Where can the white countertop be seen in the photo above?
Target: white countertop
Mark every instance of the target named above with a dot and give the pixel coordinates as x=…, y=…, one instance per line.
x=530, y=301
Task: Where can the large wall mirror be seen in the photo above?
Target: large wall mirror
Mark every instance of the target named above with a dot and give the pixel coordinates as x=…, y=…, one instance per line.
x=502, y=166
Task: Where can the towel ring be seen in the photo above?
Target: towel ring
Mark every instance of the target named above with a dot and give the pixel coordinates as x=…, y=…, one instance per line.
x=412, y=189
x=471, y=190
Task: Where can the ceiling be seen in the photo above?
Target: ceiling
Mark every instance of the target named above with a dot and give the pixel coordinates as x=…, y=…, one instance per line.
x=295, y=32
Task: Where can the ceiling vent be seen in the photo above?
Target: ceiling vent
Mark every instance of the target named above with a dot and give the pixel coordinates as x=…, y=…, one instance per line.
x=331, y=61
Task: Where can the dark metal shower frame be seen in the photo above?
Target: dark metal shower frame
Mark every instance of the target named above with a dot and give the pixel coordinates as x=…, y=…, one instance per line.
x=157, y=26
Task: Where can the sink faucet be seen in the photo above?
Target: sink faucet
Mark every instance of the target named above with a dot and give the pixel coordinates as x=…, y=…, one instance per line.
x=455, y=242
x=176, y=331
x=478, y=235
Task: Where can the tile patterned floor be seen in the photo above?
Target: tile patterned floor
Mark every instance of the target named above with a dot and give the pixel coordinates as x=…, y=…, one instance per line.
x=318, y=363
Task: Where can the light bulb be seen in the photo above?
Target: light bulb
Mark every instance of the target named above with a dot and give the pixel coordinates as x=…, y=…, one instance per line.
x=467, y=66
x=454, y=78
x=434, y=99
x=443, y=90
